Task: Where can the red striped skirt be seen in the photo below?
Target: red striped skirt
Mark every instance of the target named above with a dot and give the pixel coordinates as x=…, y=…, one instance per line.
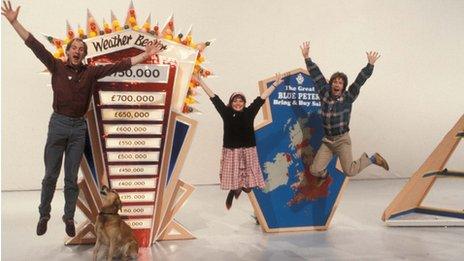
x=240, y=169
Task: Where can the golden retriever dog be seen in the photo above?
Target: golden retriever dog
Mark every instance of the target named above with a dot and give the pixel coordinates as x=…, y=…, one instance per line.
x=112, y=231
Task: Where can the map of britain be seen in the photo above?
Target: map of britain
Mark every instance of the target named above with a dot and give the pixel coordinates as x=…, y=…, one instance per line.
x=286, y=147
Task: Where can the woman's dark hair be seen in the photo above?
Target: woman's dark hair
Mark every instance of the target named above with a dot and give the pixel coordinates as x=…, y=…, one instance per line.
x=341, y=76
x=236, y=95
x=79, y=40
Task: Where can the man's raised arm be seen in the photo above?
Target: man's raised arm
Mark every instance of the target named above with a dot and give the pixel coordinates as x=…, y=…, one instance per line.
x=365, y=73
x=39, y=50
x=314, y=71
x=151, y=49
x=12, y=16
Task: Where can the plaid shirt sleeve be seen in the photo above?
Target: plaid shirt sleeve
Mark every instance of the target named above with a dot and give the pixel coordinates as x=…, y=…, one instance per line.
x=353, y=90
x=317, y=76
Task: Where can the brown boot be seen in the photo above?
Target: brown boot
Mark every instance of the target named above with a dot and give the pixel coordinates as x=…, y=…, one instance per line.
x=70, y=228
x=229, y=199
x=379, y=161
x=247, y=190
x=42, y=225
x=460, y=134
x=237, y=193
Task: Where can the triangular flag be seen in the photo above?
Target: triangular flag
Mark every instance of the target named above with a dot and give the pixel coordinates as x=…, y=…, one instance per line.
x=58, y=43
x=188, y=37
x=147, y=25
x=189, y=100
x=178, y=38
x=80, y=31
x=168, y=30
x=156, y=29
x=189, y=109
x=69, y=33
x=205, y=72
x=92, y=27
x=192, y=90
x=189, y=31
x=201, y=46
x=131, y=18
x=115, y=23
x=106, y=27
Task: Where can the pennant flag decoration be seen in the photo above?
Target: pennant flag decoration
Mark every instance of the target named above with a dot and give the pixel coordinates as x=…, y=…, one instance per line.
x=92, y=27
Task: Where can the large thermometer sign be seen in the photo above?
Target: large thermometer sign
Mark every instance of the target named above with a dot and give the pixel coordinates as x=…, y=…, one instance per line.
x=132, y=109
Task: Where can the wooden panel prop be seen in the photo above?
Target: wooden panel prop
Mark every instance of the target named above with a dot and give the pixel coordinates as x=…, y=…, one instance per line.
x=403, y=210
x=287, y=142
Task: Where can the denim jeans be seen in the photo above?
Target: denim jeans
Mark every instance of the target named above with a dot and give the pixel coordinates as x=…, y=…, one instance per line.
x=66, y=136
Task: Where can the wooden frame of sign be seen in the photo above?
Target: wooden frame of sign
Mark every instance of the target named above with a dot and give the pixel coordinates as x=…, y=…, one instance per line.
x=174, y=197
x=267, y=119
x=139, y=189
x=176, y=192
x=410, y=198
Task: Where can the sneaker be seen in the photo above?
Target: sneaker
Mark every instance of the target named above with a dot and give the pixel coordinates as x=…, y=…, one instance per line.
x=460, y=134
x=230, y=198
x=70, y=229
x=379, y=161
x=42, y=225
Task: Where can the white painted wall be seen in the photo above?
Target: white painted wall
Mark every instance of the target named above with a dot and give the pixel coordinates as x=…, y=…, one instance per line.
x=414, y=97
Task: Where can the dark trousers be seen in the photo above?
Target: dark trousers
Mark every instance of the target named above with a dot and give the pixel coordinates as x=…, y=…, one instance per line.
x=66, y=136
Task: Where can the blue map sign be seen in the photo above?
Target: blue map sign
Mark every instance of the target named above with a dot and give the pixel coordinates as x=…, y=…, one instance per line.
x=287, y=143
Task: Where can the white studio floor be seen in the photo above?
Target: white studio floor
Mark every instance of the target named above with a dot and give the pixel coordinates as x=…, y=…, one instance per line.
x=356, y=232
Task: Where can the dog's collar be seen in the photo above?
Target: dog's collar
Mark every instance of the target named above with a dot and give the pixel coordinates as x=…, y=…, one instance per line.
x=103, y=213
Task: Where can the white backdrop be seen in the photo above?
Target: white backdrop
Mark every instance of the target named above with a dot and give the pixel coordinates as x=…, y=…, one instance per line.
x=413, y=98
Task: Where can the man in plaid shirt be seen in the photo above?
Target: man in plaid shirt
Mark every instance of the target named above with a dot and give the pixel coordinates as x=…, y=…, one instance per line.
x=336, y=104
